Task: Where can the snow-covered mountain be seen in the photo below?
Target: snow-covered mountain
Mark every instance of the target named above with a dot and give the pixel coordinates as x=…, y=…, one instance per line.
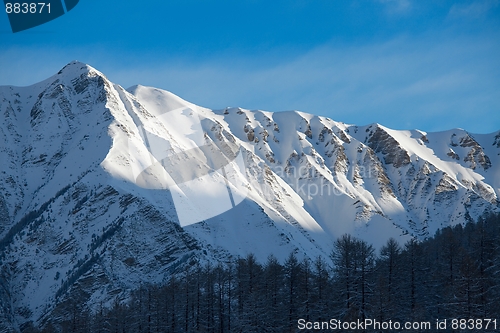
x=103, y=188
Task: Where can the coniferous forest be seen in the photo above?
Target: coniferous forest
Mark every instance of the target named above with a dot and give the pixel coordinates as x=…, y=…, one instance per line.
x=453, y=275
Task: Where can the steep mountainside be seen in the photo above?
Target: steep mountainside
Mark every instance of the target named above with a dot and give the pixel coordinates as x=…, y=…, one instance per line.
x=102, y=188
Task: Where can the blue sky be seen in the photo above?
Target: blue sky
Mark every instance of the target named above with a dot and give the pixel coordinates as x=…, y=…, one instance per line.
x=431, y=65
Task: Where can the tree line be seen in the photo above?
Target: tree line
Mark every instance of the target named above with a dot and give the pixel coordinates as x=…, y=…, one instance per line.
x=454, y=274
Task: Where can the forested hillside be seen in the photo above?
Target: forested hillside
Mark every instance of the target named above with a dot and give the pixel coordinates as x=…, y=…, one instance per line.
x=455, y=274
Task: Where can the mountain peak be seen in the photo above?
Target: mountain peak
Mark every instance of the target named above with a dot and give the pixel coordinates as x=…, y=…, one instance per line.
x=76, y=68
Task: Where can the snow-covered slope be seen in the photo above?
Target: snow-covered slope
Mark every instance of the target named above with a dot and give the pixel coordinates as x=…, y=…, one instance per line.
x=103, y=188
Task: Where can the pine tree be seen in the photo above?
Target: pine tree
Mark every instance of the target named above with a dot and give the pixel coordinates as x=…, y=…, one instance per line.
x=388, y=288
x=354, y=263
x=292, y=272
x=343, y=259
x=274, y=315
x=321, y=291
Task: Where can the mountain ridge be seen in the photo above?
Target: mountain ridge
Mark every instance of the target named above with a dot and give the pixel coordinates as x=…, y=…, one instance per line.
x=77, y=223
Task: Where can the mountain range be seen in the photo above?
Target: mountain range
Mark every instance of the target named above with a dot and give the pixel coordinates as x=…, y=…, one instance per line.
x=103, y=188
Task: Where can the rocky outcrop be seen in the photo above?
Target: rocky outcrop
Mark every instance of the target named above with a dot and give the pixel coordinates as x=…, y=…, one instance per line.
x=382, y=142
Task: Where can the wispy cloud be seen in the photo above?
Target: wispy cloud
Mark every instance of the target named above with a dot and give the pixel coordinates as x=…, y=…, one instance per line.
x=474, y=10
x=397, y=6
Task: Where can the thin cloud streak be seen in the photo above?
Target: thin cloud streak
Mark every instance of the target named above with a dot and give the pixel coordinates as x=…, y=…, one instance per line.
x=428, y=83
x=395, y=7
x=474, y=10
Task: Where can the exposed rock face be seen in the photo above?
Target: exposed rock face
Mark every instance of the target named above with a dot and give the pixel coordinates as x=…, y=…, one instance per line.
x=452, y=154
x=497, y=141
x=73, y=227
x=476, y=156
x=381, y=142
